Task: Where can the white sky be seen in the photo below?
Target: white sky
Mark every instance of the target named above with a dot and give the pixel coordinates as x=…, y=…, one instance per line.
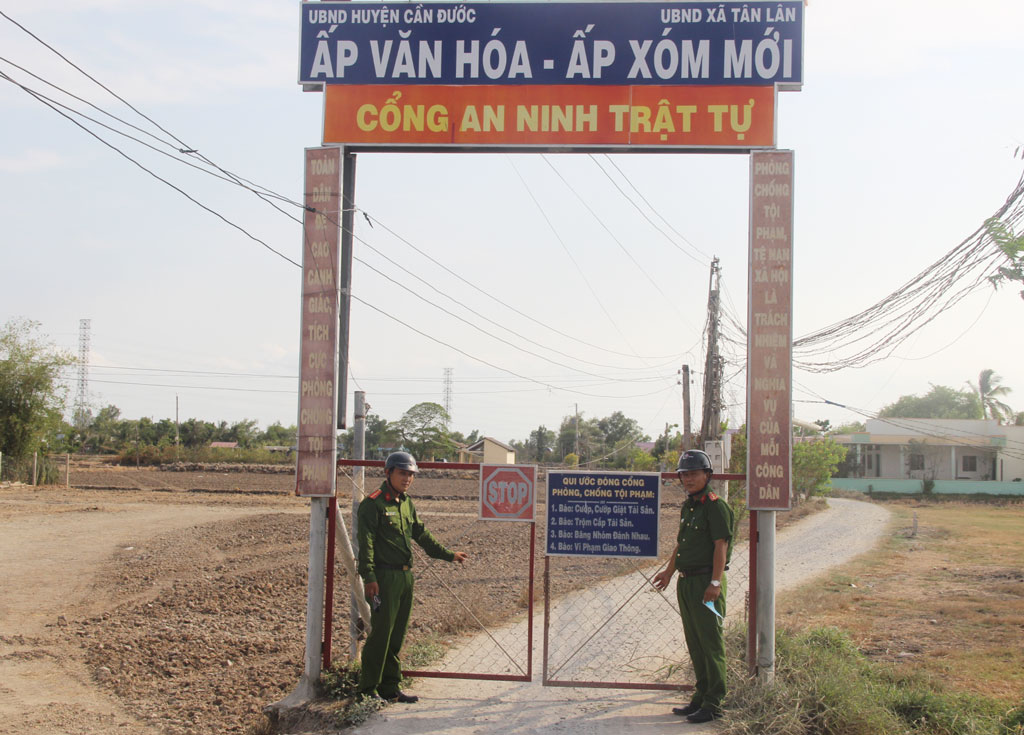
x=904, y=133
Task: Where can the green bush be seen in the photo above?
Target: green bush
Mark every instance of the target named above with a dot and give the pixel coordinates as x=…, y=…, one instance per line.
x=824, y=686
x=149, y=455
x=341, y=682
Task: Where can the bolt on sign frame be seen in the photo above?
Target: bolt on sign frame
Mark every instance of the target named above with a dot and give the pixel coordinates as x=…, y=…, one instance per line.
x=674, y=76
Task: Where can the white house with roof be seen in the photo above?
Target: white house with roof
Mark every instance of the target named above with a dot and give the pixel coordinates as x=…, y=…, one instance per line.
x=488, y=451
x=957, y=455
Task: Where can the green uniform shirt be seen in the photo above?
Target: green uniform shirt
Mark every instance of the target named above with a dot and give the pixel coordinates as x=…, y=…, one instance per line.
x=704, y=519
x=388, y=525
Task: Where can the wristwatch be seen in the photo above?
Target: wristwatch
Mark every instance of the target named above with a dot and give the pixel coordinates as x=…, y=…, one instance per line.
x=715, y=583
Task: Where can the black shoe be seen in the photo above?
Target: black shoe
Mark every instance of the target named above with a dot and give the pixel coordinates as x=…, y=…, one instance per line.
x=687, y=710
x=369, y=697
x=404, y=698
x=704, y=715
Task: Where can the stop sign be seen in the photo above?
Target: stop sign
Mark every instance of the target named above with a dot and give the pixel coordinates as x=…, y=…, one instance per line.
x=507, y=492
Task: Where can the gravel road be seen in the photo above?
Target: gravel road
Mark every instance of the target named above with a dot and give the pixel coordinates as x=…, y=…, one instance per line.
x=804, y=550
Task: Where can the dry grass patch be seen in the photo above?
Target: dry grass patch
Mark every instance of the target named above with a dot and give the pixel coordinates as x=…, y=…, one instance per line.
x=946, y=602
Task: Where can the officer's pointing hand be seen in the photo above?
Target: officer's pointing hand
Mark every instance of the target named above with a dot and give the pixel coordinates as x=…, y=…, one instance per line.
x=661, y=579
x=461, y=556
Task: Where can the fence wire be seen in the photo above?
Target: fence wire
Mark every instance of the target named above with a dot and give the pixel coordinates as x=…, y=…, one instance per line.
x=616, y=629
x=478, y=617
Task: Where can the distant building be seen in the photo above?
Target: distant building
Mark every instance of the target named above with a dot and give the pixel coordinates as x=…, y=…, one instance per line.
x=488, y=451
x=972, y=455
x=223, y=445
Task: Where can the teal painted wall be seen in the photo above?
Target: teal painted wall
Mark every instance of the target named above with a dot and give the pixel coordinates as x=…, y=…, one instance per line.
x=943, y=487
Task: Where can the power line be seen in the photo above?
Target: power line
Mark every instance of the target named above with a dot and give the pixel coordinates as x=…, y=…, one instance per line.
x=490, y=364
x=124, y=155
x=653, y=224
x=611, y=234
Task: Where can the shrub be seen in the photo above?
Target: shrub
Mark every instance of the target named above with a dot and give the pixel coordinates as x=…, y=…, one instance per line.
x=824, y=686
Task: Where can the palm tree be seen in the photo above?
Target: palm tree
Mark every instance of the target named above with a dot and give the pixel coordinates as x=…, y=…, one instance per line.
x=991, y=392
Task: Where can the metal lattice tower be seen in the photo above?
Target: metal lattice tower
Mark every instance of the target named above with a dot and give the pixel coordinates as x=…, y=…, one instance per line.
x=82, y=394
x=448, y=391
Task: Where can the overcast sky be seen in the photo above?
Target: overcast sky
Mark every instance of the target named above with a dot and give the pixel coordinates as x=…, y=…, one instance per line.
x=904, y=133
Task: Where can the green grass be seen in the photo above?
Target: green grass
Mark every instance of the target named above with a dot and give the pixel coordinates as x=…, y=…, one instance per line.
x=341, y=682
x=824, y=686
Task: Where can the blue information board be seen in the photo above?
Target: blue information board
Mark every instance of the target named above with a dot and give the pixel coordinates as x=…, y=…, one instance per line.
x=603, y=514
x=553, y=43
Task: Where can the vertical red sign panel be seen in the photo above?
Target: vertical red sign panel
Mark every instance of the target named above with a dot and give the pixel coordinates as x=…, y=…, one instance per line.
x=318, y=370
x=770, y=332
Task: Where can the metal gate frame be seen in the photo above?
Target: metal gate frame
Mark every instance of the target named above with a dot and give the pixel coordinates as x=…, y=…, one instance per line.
x=525, y=677
x=652, y=686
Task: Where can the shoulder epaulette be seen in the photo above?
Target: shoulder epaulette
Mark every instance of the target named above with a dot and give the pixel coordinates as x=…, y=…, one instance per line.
x=712, y=496
x=375, y=494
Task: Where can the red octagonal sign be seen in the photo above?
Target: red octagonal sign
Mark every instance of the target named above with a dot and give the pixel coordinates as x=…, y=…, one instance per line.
x=507, y=491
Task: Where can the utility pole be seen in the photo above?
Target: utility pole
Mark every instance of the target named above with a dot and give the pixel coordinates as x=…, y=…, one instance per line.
x=687, y=439
x=358, y=491
x=712, y=405
x=577, y=433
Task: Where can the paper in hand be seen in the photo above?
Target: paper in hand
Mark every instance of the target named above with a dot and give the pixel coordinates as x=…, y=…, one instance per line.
x=711, y=606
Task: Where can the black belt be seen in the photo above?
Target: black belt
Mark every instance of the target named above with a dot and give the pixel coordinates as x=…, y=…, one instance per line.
x=693, y=571
x=406, y=567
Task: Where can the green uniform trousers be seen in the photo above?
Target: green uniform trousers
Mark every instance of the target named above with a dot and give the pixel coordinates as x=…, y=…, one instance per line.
x=381, y=669
x=704, y=639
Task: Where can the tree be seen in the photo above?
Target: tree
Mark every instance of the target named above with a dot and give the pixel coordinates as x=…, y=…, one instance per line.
x=32, y=397
x=423, y=428
x=941, y=402
x=814, y=464
x=106, y=432
x=1012, y=246
x=277, y=435
x=244, y=432
x=990, y=393
x=854, y=427
x=618, y=429
x=538, y=447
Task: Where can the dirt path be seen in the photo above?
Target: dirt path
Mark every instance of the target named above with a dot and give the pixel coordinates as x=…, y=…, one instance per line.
x=180, y=613
x=50, y=553
x=804, y=550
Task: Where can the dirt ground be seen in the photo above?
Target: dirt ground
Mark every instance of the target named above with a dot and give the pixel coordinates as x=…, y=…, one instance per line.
x=147, y=601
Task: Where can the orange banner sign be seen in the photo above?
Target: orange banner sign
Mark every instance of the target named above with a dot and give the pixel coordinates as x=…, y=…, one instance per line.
x=543, y=116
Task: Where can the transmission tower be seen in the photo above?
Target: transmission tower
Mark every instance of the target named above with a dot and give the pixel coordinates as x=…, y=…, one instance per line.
x=82, y=395
x=448, y=391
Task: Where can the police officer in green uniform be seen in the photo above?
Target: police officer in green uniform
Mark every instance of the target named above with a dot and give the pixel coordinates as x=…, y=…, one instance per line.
x=388, y=525
x=701, y=556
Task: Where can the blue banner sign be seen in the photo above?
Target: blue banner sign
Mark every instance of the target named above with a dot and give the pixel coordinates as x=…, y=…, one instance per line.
x=557, y=43
x=603, y=514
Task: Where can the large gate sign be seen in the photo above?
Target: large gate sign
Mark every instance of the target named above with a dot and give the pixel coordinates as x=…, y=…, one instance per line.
x=553, y=43
x=507, y=492
x=603, y=514
x=586, y=75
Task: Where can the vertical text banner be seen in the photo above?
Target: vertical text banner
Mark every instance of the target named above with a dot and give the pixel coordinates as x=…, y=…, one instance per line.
x=603, y=514
x=315, y=470
x=770, y=332
x=508, y=492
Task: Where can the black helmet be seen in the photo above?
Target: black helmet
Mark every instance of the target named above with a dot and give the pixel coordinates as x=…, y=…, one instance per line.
x=694, y=459
x=401, y=460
